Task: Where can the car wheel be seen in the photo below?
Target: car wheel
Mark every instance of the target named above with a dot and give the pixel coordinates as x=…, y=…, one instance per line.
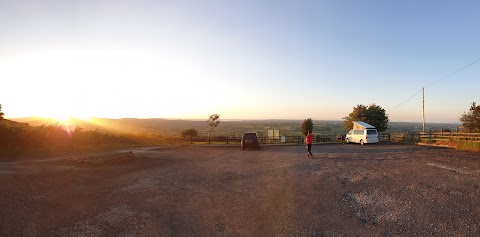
x=361, y=142
x=347, y=141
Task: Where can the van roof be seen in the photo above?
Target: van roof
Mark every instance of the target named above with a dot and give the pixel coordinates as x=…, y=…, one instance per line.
x=364, y=125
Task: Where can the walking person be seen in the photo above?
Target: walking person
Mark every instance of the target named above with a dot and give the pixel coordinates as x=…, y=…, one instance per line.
x=308, y=141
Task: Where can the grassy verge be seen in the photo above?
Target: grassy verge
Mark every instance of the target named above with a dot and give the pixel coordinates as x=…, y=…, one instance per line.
x=57, y=150
x=469, y=146
x=215, y=143
x=457, y=145
x=102, y=159
x=80, y=147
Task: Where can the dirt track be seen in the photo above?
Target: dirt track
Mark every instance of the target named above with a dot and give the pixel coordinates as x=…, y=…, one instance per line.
x=349, y=190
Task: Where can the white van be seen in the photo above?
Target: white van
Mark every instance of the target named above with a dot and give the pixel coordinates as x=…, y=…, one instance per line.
x=362, y=136
x=362, y=133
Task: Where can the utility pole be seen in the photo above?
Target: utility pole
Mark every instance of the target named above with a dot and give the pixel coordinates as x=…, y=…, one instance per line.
x=423, y=109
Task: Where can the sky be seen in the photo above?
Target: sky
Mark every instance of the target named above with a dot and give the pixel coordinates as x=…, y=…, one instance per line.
x=242, y=59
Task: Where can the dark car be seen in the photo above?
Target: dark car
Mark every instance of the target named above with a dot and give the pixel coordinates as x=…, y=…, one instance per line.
x=250, y=139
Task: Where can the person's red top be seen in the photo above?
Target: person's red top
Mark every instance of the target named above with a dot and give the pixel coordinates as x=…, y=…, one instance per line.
x=309, y=138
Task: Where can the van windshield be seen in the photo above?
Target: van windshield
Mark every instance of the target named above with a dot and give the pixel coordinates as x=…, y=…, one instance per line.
x=371, y=131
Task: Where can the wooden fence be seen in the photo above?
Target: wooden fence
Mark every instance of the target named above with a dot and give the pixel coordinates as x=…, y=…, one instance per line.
x=265, y=139
x=449, y=136
x=414, y=137
x=399, y=137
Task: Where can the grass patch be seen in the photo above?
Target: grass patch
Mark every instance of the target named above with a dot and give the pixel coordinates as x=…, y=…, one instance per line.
x=102, y=159
x=428, y=141
x=459, y=145
x=216, y=143
x=467, y=146
x=79, y=147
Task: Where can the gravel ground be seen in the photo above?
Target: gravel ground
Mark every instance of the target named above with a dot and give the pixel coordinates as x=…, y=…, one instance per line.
x=348, y=190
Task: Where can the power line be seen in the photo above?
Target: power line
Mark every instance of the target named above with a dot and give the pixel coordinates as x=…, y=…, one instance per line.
x=451, y=74
x=406, y=100
x=454, y=73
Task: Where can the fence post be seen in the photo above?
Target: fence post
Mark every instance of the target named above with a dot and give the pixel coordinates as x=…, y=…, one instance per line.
x=227, y=140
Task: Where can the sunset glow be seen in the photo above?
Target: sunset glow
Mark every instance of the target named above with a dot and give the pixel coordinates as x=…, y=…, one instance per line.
x=246, y=60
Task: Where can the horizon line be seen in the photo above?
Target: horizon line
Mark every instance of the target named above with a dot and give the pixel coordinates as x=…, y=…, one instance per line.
x=230, y=120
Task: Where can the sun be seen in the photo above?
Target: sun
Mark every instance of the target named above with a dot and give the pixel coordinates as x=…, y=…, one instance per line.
x=66, y=118
x=62, y=118
x=62, y=111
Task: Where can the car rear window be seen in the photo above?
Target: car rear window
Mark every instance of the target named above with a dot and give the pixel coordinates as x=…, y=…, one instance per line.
x=371, y=131
x=250, y=136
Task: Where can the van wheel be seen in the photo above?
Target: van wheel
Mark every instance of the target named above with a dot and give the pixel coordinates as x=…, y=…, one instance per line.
x=347, y=141
x=361, y=142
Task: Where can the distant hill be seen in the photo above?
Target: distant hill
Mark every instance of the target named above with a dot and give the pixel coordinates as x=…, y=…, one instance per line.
x=173, y=127
x=124, y=125
x=417, y=126
x=10, y=123
x=35, y=121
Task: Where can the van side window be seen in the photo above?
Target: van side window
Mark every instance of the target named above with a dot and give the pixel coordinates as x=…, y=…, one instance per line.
x=358, y=132
x=371, y=131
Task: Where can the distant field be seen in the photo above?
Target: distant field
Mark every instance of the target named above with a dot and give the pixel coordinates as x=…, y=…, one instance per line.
x=229, y=128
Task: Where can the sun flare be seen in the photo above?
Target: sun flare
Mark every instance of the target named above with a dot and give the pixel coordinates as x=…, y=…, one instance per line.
x=67, y=119
x=62, y=118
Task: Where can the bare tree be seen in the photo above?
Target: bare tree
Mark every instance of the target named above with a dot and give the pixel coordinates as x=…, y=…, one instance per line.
x=213, y=122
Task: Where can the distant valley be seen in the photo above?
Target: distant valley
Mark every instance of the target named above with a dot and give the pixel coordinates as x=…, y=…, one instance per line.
x=173, y=127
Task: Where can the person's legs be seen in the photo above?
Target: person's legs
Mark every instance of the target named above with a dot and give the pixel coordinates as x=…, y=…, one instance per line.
x=310, y=150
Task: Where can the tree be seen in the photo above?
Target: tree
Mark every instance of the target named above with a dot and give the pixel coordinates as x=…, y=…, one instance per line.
x=307, y=125
x=213, y=122
x=377, y=117
x=372, y=114
x=359, y=113
x=191, y=132
x=1, y=113
x=471, y=120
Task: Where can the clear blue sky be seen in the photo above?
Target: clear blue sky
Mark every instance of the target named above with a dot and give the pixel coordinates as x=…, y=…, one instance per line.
x=240, y=59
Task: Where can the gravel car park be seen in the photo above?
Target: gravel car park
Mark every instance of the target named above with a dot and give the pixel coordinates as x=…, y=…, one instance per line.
x=382, y=190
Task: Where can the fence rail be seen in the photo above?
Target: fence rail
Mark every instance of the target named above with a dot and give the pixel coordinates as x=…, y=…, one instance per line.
x=393, y=137
x=265, y=139
x=269, y=140
x=450, y=136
